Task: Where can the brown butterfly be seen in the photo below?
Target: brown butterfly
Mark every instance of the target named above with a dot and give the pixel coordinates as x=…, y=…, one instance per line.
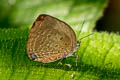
x=51, y=39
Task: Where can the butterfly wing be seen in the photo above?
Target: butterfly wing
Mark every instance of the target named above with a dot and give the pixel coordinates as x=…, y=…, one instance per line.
x=50, y=39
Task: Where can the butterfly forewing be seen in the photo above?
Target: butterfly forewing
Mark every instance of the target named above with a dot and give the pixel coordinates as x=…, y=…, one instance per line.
x=50, y=39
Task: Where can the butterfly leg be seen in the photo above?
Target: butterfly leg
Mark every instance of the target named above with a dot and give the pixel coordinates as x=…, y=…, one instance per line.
x=76, y=56
x=60, y=62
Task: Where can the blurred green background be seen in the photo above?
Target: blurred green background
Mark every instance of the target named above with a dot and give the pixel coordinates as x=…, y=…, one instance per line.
x=99, y=15
x=22, y=13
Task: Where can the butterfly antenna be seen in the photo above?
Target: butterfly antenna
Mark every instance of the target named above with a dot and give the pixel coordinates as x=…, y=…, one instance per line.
x=86, y=36
x=81, y=28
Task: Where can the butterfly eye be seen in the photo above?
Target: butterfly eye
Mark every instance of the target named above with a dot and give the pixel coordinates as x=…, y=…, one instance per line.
x=33, y=56
x=78, y=44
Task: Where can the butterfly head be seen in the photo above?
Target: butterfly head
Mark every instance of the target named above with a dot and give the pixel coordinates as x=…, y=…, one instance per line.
x=78, y=44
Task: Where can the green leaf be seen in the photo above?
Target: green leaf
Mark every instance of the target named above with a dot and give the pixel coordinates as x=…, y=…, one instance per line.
x=98, y=59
